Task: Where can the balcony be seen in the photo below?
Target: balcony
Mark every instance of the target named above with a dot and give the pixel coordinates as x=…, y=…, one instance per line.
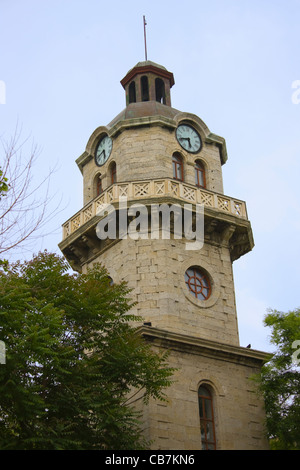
x=155, y=190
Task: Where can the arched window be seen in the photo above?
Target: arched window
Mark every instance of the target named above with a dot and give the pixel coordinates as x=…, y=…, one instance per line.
x=207, y=420
x=145, y=88
x=99, y=188
x=200, y=179
x=113, y=173
x=132, y=93
x=177, y=166
x=160, y=95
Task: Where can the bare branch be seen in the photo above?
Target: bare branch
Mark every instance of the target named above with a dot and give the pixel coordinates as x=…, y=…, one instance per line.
x=24, y=206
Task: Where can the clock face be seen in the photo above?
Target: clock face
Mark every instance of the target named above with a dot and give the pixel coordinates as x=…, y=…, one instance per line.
x=103, y=150
x=188, y=138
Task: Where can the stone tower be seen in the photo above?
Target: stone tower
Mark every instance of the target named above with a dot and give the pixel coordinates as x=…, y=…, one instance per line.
x=154, y=156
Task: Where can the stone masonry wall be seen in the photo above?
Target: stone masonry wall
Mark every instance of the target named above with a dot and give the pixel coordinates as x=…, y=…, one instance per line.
x=155, y=269
x=238, y=410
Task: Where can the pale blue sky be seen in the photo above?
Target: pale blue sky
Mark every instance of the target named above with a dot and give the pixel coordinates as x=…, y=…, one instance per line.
x=234, y=62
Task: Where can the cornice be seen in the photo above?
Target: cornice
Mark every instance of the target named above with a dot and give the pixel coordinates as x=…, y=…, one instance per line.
x=147, y=68
x=84, y=158
x=141, y=121
x=200, y=346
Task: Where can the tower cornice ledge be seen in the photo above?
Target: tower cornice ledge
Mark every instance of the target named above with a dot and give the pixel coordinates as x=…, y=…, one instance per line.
x=147, y=66
x=204, y=347
x=156, y=120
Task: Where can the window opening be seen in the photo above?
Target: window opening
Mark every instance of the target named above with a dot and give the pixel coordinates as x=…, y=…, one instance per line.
x=177, y=167
x=132, y=93
x=99, y=189
x=198, y=283
x=145, y=88
x=200, y=174
x=207, y=421
x=160, y=91
x=113, y=173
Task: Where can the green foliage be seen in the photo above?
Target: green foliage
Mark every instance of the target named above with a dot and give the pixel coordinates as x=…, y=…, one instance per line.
x=72, y=360
x=280, y=381
x=3, y=184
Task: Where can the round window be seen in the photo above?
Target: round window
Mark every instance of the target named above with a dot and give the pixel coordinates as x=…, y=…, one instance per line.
x=197, y=283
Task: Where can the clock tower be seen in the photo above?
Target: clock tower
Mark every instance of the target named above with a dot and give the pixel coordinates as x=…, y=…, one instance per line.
x=155, y=214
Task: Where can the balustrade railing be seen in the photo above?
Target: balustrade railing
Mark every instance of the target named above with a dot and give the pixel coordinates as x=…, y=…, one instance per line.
x=136, y=190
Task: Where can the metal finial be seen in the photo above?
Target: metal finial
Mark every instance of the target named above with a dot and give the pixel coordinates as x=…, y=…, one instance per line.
x=144, y=20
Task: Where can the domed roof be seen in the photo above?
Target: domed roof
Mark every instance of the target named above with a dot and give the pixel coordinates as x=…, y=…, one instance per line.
x=144, y=109
x=145, y=63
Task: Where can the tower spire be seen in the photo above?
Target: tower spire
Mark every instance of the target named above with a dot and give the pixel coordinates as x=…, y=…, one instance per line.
x=144, y=21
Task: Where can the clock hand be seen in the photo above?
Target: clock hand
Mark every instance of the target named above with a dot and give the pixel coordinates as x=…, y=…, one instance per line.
x=186, y=138
x=100, y=156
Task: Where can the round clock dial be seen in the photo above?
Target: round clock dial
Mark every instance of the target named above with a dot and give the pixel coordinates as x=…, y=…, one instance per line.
x=103, y=150
x=188, y=138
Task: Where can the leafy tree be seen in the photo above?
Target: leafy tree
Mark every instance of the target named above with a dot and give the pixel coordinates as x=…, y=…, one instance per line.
x=74, y=362
x=280, y=381
x=3, y=184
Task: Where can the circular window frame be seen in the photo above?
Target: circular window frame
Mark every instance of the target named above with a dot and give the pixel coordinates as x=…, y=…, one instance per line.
x=197, y=282
x=213, y=280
